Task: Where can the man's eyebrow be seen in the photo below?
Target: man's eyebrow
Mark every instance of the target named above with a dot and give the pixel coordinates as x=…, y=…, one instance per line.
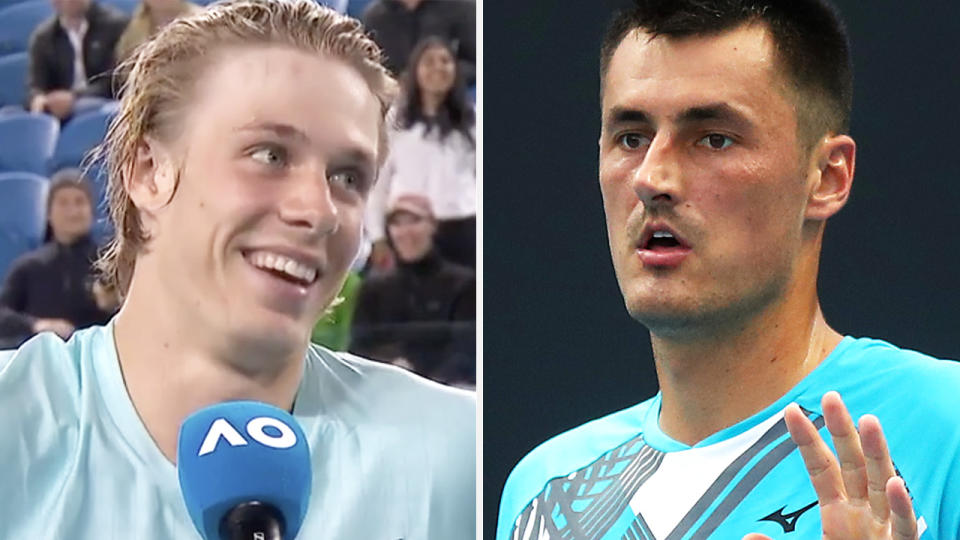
x=285, y=131
x=358, y=157
x=353, y=156
x=624, y=115
x=712, y=111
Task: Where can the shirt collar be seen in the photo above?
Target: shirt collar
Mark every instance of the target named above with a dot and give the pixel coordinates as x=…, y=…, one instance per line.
x=82, y=31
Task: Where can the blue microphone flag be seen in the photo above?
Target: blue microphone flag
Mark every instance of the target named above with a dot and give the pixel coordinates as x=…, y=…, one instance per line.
x=243, y=451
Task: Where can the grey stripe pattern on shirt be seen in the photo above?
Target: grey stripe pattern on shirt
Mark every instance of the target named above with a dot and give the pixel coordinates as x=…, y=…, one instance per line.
x=639, y=530
x=589, y=501
x=747, y=483
x=777, y=431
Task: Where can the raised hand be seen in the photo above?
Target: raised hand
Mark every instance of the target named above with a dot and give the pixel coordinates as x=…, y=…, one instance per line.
x=861, y=497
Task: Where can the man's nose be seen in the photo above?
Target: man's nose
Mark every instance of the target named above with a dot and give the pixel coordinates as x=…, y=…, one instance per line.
x=657, y=182
x=311, y=205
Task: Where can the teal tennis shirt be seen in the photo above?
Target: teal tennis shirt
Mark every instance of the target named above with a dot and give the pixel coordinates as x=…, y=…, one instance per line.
x=621, y=477
x=393, y=454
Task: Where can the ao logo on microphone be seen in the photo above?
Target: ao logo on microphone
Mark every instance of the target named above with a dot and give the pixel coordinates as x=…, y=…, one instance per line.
x=256, y=429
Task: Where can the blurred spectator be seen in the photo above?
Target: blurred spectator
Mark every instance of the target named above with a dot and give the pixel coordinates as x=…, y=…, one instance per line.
x=148, y=17
x=398, y=25
x=421, y=314
x=50, y=288
x=72, y=56
x=432, y=152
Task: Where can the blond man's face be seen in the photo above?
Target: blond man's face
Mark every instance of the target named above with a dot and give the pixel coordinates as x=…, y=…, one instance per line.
x=277, y=155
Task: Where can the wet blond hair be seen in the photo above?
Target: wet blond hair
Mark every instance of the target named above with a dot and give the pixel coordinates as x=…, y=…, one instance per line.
x=156, y=87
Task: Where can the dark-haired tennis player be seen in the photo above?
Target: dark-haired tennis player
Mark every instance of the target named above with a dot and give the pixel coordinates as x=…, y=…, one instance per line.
x=723, y=153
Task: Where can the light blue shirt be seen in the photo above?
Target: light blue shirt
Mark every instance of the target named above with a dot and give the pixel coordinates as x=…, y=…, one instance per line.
x=393, y=454
x=621, y=476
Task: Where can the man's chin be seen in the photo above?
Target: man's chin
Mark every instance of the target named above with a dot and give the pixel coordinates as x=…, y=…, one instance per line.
x=263, y=348
x=662, y=318
x=275, y=331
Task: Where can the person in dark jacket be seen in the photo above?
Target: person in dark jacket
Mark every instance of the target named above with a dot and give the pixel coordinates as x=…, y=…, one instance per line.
x=50, y=288
x=72, y=56
x=398, y=25
x=421, y=314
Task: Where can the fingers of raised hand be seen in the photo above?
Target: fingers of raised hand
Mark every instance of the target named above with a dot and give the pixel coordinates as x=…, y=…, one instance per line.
x=846, y=441
x=879, y=466
x=819, y=460
x=756, y=536
x=904, y=522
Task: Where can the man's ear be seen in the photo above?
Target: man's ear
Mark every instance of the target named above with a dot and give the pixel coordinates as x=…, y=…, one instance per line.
x=830, y=176
x=152, y=178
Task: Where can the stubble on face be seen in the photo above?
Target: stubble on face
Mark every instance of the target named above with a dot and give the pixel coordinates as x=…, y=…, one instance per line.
x=740, y=206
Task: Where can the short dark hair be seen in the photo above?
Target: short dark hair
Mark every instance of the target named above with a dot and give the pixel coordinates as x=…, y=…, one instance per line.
x=69, y=178
x=809, y=36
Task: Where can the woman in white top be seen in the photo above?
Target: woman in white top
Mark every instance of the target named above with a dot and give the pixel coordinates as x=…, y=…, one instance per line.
x=432, y=153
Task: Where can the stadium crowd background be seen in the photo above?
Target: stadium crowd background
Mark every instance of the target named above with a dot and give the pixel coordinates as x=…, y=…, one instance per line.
x=410, y=298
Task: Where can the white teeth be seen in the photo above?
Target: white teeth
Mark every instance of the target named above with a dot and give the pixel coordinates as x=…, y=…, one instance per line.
x=662, y=234
x=280, y=263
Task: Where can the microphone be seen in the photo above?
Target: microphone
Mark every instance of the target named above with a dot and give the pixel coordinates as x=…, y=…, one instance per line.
x=244, y=469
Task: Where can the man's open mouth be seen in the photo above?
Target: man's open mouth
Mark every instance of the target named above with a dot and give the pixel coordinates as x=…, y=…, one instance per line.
x=283, y=267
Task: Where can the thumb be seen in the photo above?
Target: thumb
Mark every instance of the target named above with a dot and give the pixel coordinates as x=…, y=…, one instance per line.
x=756, y=536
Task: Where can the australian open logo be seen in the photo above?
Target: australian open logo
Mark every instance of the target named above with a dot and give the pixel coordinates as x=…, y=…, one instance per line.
x=266, y=430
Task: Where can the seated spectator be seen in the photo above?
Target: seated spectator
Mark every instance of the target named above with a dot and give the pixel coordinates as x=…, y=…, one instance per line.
x=422, y=313
x=432, y=152
x=71, y=56
x=50, y=288
x=148, y=17
x=398, y=25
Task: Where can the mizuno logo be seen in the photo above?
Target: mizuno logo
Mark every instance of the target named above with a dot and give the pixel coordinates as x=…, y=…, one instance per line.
x=787, y=521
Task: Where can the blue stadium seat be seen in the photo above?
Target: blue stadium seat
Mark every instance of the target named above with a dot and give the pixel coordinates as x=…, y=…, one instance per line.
x=13, y=79
x=18, y=21
x=80, y=135
x=23, y=215
x=102, y=227
x=355, y=8
x=339, y=6
x=27, y=142
x=5, y=3
x=8, y=110
x=84, y=104
x=126, y=6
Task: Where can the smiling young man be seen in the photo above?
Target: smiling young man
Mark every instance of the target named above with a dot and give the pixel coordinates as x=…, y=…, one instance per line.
x=723, y=151
x=241, y=158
